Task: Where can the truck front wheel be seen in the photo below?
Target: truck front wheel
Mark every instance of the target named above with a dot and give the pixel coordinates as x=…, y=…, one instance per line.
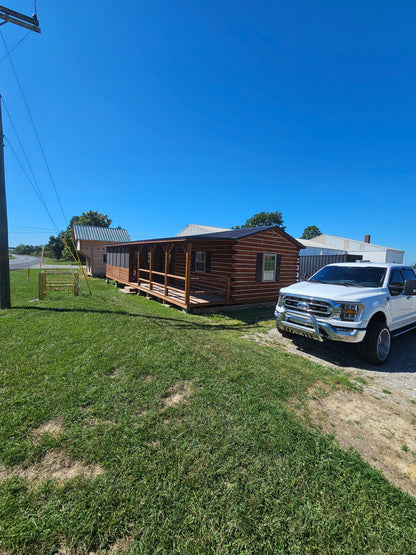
x=375, y=346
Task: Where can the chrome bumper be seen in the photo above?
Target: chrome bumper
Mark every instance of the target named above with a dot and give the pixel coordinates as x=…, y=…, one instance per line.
x=308, y=326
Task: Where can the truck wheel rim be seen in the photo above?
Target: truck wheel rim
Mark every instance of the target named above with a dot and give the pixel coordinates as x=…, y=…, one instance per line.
x=383, y=344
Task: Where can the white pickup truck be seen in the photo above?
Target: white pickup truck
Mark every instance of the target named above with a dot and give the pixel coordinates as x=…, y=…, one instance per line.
x=360, y=302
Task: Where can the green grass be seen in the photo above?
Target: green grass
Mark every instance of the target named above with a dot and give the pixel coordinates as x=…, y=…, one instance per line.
x=228, y=470
x=53, y=261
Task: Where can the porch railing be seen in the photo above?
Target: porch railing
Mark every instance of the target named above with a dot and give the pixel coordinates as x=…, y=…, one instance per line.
x=197, y=285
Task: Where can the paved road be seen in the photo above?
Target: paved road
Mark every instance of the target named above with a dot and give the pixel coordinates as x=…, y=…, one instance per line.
x=21, y=261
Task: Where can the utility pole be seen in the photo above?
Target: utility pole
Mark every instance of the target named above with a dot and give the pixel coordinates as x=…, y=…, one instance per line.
x=32, y=24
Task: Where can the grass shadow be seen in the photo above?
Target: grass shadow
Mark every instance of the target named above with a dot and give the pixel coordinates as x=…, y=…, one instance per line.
x=175, y=321
x=248, y=316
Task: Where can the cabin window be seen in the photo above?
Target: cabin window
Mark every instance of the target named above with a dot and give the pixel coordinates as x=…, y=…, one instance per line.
x=269, y=267
x=104, y=259
x=200, y=261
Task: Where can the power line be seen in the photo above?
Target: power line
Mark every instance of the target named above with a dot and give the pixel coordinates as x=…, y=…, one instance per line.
x=30, y=228
x=23, y=150
x=15, y=46
x=19, y=232
x=34, y=128
x=38, y=192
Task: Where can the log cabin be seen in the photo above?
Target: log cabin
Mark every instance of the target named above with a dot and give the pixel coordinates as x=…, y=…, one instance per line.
x=237, y=266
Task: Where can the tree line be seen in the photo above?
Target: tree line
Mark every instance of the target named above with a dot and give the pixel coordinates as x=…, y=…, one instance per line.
x=275, y=218
x=57, y=249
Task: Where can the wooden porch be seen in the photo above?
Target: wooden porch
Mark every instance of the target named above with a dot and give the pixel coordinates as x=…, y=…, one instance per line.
x=187, y=291
x=176, y=295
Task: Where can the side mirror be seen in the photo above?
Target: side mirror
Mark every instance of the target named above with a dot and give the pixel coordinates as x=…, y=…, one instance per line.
x=410, y=287
x=396, y=289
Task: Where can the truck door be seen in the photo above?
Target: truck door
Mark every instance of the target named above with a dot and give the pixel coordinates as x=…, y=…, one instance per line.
x=401, y=306
x=409, y=273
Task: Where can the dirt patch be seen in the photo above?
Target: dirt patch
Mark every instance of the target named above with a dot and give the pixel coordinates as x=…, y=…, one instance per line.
x=154, y=444
x=382, y=431
x=179, y=394
x=93, y=422
x=53, y=427
x=55, y=465
x=120, y=546
x=379, y=422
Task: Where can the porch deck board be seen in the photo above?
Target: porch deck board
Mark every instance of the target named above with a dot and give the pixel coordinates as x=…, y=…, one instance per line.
x=198, y=298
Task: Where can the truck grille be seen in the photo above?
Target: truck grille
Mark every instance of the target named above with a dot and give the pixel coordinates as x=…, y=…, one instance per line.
x=315, y=307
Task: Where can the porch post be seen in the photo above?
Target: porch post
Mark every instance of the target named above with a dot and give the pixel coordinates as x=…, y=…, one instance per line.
x=152, y=250
x=139, y=252
x=168, y=250
x=131, y=264
x=188, y=274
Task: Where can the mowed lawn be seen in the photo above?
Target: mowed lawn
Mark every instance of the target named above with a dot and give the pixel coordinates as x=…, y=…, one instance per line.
x=131, y=427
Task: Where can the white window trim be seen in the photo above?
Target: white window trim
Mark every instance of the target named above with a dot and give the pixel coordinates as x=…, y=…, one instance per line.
x=274, y=270
x=202, y=262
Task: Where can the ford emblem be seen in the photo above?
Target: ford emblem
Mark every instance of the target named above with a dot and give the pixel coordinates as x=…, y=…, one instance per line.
x=304, y=306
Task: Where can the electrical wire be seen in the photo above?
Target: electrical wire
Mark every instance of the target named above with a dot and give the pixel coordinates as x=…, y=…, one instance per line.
x=34, y=128
x=15, y=46
x=22, y=148
x=31, y=229
x=38, y=192
x=36, y=187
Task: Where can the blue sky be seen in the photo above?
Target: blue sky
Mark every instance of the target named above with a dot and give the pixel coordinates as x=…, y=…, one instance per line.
x=161, y=114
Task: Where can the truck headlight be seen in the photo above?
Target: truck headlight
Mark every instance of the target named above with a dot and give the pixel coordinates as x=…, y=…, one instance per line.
x=351, y=312
x=280, y=300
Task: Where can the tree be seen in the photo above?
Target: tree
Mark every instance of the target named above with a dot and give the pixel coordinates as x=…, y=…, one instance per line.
x=31, y=250
x=90, y=218
x=310, y=232
x=57, y=245
x=56, y=248
x=262, y=219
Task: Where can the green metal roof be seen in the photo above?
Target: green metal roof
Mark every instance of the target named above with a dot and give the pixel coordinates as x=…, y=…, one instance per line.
x=96, y=233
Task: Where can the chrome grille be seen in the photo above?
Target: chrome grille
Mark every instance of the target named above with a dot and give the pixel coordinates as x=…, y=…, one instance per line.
x=316, y=307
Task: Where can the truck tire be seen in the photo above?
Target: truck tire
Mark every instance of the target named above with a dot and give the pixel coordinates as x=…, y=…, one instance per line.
x=375, y=346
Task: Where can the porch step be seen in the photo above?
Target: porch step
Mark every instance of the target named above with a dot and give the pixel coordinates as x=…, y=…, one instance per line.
x=129, y=290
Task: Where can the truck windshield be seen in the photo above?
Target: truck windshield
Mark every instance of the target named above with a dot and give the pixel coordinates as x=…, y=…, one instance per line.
x=355, y=276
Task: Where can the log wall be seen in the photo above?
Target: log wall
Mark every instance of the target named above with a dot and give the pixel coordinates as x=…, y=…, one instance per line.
x=244, y=287
x=221, y=260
